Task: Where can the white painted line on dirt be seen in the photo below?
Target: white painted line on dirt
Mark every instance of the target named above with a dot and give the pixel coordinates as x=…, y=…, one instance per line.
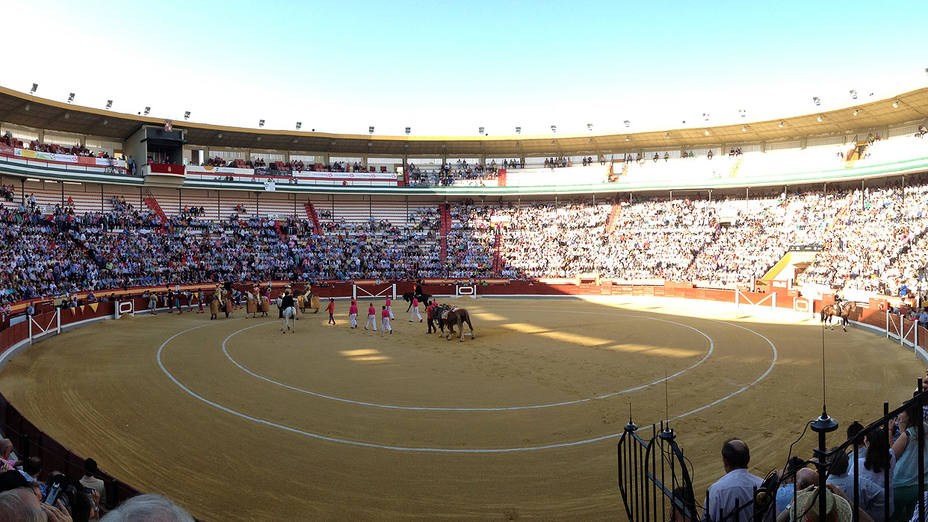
x=440, y=408
x=438, y=450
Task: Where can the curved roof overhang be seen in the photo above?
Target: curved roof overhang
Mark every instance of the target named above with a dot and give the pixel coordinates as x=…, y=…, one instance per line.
x=27, y=110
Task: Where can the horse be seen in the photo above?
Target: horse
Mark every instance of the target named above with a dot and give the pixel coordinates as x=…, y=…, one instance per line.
x=309, y=301
x=451, y=316
x=408, y=296
x=286, y=314
x=252, y=304
x=842, y=310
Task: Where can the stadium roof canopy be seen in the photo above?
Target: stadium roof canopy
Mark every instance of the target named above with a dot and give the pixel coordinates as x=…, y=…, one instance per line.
x=24, y=109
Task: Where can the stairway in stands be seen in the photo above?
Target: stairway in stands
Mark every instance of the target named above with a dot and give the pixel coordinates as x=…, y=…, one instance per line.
x=613, y=218
x=311, y=213
x=735, y=168
x=445, y=227
x=153, y=205
x=280, y=232
x=497, y=257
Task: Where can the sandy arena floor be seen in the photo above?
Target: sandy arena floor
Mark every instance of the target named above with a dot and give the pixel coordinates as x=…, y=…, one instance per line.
x=235, y=421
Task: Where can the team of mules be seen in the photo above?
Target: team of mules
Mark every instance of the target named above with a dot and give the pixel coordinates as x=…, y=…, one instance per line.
x=841, y=310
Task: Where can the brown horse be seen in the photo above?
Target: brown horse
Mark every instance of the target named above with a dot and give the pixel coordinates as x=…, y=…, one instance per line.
x=842, y=310
x=448, y=316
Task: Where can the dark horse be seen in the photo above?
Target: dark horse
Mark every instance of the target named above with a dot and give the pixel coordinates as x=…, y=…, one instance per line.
x=842, y=310
x=420, y=296
x=449, y=317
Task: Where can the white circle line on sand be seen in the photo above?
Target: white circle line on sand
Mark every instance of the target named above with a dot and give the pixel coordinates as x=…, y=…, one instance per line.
x=441, y=450
x=463, y=409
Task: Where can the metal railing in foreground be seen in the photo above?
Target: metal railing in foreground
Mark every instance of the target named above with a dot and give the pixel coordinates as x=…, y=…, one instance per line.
x=655, y=479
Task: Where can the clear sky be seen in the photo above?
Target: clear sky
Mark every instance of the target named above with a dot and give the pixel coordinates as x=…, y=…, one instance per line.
x=445, y=67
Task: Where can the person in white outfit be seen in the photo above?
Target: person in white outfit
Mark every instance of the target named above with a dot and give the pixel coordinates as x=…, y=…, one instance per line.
x=353, y=313
x=385, y=315
x=371, y=318
x=415, y=310
x=390, y=308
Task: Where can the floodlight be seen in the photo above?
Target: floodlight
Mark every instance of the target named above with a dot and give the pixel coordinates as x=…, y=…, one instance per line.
x=299, y=125
x=820, y=118
x=589, y=126
x=109, y=104
x=147, y=110
x=35, y=87
x=70, y=97
x=705, y=116
x=628, y=138
x=408, y=130
x=518, y=130
x=666, y=134
x=627, y=123
x=780, y=125
x=816, y=100
x=856, y=112
x=706, y=132
x=744, y=128
x=743, y=113
x=853, y=93
x=895, y=104
x=370, y=130
x=219, y=136
x=480, y=130
x=554, y=129
x=260, y=123
x=186, y=115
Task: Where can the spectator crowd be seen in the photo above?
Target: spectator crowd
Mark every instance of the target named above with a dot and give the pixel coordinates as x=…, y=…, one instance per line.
x=871, y=240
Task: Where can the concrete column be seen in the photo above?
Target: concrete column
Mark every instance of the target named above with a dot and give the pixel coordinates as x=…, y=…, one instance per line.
x=364, y=161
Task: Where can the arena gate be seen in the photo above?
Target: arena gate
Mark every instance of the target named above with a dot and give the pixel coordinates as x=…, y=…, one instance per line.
x=373, y=289
x=465, y=290
x=653, y=477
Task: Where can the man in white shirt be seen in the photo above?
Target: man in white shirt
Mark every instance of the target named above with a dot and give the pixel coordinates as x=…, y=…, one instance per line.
x=89, y=480
x=736, y=487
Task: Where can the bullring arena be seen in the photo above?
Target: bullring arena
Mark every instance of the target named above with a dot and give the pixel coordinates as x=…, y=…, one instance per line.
x=331, y=422
x=683, y=249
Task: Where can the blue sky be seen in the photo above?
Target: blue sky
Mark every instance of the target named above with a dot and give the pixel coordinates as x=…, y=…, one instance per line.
x=449, y=67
